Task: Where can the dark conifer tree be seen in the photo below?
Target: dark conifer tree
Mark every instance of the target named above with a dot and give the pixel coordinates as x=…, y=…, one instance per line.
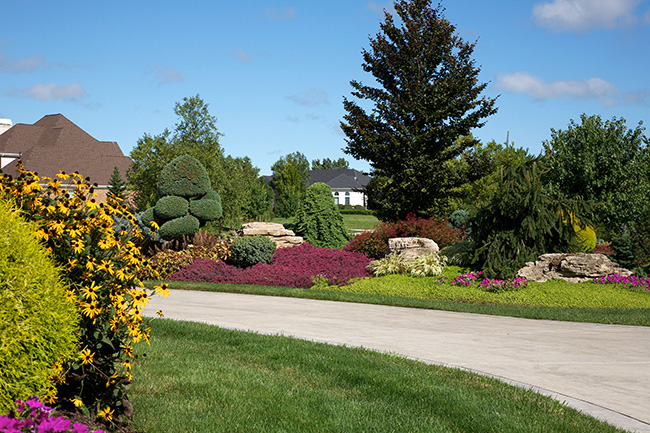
x=429, y=96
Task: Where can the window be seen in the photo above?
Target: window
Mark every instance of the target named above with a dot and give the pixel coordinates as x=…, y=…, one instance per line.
x=347, y=198
x=336, y=198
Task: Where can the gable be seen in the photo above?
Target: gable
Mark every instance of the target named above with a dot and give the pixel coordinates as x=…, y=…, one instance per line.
x=55, y=144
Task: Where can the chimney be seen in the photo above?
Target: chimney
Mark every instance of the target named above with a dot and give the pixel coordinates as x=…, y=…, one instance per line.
x=5, y=124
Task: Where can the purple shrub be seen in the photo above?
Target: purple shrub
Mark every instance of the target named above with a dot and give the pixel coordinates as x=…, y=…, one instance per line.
x=290, y=267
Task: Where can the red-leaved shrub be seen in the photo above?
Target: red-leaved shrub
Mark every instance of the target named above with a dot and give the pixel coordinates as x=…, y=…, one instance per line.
x=290, y=267
x=374, y=244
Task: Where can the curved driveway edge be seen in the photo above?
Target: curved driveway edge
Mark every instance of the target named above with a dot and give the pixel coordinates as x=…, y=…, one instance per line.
x=602, y=370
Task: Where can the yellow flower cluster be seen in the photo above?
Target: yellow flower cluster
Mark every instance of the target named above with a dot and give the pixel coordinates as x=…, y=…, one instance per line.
x=99, y=263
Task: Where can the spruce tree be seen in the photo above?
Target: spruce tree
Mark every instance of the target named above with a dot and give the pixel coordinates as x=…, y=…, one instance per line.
x=117, y=186
x=319, y=220
x=429, y=95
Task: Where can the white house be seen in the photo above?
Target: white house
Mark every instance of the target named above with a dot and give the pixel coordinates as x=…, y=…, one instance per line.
x=348, y=185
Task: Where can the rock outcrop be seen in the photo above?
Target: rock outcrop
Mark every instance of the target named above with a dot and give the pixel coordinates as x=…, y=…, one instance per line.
x=274, y=231
x=411, y=248
x=575, y=268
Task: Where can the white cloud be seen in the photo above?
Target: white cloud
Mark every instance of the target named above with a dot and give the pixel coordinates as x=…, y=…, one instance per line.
x=279, y=15
x=584, y=15
x=242, y=55
x=21, y=65
x=389, y=6
x=310, y=98
x=168, y=75
x=54, y=91
x=592, y=88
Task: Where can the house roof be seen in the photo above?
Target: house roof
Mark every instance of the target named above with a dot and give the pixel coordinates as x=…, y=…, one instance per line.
x=56, y=144
x=340, y=179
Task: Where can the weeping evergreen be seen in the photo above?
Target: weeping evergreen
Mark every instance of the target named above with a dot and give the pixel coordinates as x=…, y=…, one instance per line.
x=522, y=221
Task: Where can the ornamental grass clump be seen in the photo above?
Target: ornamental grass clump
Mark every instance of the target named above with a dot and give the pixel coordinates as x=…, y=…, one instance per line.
x=99, y=266
x=429, y=265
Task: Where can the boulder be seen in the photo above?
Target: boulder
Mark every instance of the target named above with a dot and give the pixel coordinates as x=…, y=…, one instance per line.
x=575, y=268
x=411, y=248
x=274, y=231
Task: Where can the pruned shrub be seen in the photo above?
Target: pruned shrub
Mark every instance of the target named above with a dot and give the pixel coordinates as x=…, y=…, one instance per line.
x=178, y=227
x=171, y=207
x=319, y=221
x=246, y=251
x=38, y=323
x=374, y=243
x=183, y=176
x=206, y=209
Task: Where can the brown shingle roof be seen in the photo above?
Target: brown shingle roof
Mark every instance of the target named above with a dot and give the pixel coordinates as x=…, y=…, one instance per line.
x=56, y=144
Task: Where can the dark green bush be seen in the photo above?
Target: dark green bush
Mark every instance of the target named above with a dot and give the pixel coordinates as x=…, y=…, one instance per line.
x=319, y=221
x=38, y=324
x=458, y=218
x=184, y=176
x=521, y=221
x=179, y=227
x=355, y=211
x=206, y=209
x=245, y=251
x=147, y=217
x=170, y=207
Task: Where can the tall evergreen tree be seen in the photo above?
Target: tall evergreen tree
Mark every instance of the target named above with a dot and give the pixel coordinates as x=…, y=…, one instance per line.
x=117, y=186
x=429, y=95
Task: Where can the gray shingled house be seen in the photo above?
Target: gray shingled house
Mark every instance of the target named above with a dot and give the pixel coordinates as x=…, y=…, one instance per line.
x=348, y=185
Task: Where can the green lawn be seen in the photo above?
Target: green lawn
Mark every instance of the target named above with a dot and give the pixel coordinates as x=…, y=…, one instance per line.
x=200, y=378
x=352, y=222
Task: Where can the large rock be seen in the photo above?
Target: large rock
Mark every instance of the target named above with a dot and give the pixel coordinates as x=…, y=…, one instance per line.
x=411, y=248
x=274, y=231
x=575, y=268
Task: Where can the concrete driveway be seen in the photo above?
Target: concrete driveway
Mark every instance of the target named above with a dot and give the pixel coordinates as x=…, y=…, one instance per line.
x=603, y=370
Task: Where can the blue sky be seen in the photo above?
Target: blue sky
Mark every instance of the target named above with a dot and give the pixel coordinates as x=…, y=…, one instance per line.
x=274, y=73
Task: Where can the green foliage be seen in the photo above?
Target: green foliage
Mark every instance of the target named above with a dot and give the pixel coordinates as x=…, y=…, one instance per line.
x=170, y=207
x=178, y=227
x=117, y=186
x=318, y=219
x=166, y=262
x=604, y=162
x=289, y=182
x=183, y=176
x=38, y=324
x=458, y=254
x=429, y=96
x=245, y=251
x=147, y=217
x=234, y=179
x=206, y=209
x=329, y=164
x=521, y=221
x=458, y=218
x=183, y=179
x=99, y=266
x=429, y=265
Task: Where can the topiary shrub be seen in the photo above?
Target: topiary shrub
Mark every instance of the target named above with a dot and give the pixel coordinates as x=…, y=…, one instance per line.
x=206, y=209
x=318, y=219
x=184, y=176
x=170, y=207
x=186, y=201
x=247, y=251
x=38, y=324
x=184, y=226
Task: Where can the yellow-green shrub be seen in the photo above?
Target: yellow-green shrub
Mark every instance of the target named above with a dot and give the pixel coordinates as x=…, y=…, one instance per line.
x=99, y=265
x=585, y=234
x=38, y=324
